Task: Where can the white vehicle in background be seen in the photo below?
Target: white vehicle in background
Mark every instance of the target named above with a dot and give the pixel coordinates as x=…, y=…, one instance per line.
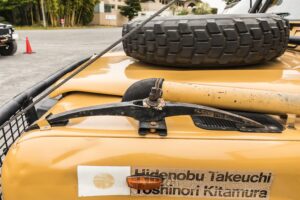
x=8, y=37
x=265, y=6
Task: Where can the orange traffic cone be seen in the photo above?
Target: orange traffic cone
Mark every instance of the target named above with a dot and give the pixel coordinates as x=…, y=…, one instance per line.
x=28, y=47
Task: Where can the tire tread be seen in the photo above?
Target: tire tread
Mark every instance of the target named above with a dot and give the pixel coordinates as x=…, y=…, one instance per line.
x=209, y=41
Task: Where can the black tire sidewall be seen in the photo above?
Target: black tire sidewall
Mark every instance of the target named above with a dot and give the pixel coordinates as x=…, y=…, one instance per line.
x=10, y=49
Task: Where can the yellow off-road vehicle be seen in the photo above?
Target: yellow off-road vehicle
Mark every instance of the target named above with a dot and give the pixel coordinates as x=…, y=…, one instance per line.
x=202, y=107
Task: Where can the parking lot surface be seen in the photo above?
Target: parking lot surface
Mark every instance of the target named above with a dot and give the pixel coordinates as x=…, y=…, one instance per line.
x=53, y=49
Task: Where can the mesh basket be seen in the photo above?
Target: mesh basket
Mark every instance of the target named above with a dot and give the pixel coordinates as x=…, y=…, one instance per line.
x=8, y=135
x=11, y=129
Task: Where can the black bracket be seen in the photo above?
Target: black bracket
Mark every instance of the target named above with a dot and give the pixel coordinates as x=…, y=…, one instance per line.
x=158, y=127
x=151, y=120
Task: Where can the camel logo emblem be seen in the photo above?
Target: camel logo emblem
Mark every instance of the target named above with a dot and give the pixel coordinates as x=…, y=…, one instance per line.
x=103, y=181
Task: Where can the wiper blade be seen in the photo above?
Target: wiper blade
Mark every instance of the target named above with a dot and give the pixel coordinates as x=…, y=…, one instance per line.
x=153, y=119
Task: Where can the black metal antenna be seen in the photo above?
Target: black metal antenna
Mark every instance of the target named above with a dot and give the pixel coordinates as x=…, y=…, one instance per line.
x=88, y=63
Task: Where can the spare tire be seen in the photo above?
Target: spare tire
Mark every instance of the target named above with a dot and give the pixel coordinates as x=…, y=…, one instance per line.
x=208, y=40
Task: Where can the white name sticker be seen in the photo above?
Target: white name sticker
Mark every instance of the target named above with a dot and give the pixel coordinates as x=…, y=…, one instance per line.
x=102, y=180
x=211, y=184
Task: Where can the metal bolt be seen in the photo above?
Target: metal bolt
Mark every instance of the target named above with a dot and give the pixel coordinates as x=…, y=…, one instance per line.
x=153, y=123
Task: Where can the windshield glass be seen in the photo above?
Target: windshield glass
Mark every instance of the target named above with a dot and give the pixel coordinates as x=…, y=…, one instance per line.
x=286, y=6
x=278, y=6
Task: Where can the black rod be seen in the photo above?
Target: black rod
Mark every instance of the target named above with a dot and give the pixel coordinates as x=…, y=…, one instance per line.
x=294, y=40
x=265, y=6
x=255, y=7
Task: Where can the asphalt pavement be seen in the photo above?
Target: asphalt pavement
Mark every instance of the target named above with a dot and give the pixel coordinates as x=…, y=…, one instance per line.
x=53, y=49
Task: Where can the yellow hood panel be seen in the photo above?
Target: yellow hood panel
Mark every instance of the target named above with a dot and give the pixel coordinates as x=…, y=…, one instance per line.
x=114, y=73
x=45, y=168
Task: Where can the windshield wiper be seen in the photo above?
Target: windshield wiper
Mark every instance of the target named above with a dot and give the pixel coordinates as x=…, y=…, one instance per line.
x=152, y=111
x=152, y=120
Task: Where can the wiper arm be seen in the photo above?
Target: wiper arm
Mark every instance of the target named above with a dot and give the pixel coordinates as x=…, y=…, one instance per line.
x=255, y=8
x=153, y=119
x=265, y=6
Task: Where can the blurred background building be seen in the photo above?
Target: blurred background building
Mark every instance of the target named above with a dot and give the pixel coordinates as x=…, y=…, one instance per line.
x=107, y=12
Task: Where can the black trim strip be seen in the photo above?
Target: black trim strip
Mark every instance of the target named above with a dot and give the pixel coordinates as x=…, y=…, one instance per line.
x=294, y=40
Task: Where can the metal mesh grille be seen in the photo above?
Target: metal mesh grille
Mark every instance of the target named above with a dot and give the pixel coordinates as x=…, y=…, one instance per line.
x=4, y=31
x=22, y=106
x=8, y=135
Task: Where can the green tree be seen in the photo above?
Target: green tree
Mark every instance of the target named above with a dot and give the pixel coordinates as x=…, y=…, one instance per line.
x=86, y=12
x=202, y=9
x=18, y=11
x=183, y=11
x=52, y=7
x=30, y=12
x=131, y=9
